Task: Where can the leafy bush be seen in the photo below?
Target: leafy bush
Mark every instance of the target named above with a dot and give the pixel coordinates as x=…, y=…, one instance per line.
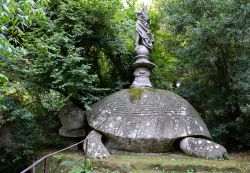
x=77, y=52
x=212, y=46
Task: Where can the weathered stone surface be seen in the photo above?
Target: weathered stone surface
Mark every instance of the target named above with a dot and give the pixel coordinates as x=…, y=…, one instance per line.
x=141, y=50
x=72, y=133
x=142, y=67
x=146, y=120
x=72, y=117
x=141, y=78
x=144, y=43
x=94, y=147
x=203, y=148
x=143, y=33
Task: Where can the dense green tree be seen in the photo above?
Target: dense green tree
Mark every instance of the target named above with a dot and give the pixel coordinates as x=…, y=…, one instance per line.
x=212, y=46
x=15, y=18
x=78, y=51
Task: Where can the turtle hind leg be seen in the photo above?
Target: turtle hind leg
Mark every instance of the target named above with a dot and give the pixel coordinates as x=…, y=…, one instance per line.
x=94, y=147
x=203, y=148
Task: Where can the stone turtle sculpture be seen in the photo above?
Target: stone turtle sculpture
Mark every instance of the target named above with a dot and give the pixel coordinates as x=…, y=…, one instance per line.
x=148, y=120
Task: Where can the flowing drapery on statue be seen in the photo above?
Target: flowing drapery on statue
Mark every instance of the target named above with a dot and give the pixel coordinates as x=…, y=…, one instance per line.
x=143, y=34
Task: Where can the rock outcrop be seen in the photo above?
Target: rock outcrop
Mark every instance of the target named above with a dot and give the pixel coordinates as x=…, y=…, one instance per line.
x=73, y=122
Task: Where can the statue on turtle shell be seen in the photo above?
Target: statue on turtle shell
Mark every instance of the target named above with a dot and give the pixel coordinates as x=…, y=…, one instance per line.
x=143, y=34
x=143, y=119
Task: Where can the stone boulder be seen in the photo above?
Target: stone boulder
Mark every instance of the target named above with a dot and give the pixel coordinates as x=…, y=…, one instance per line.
x=73, y=121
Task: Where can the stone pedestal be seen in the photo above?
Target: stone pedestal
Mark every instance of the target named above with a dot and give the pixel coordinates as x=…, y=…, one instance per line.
x=142, y=67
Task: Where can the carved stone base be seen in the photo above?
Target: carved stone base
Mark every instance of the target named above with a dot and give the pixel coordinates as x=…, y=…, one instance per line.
x=142, y=68
x=141, y=78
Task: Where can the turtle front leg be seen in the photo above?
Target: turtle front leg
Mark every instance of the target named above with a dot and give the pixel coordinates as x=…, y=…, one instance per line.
x=94, y=147
x=203, y=148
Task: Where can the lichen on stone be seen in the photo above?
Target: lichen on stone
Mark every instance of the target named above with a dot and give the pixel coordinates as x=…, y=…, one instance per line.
x=135, y=93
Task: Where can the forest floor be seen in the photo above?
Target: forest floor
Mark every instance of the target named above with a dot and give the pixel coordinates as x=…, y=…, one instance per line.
x=72, y=162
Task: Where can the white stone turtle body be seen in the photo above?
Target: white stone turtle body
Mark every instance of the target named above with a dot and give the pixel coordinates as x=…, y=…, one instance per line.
x=146, y=120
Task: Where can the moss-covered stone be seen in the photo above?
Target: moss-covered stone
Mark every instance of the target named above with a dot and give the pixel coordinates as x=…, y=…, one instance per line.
x=135, y=93
x=145, y=119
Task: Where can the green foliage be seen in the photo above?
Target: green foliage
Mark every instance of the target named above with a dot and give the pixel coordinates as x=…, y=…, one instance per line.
x=15, y=18
x=78, y=52
x=4, y=85
x=19, y=122
x=190, y=171
x=88, y=166
x=3, y=79
x=78, y=169
x=165, y=74
x=75, y=167
x=212, y=46
x=28, y=126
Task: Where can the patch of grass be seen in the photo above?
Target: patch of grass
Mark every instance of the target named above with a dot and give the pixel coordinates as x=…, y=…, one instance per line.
x=168, y=163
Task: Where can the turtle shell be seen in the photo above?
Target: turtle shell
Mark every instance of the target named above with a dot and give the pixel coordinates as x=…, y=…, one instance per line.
x=145, y=120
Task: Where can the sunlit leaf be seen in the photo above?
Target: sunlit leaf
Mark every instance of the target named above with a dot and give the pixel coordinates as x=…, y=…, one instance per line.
x=3, y=79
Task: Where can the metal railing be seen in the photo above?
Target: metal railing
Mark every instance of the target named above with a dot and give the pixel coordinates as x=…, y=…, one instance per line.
x=32, y=167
